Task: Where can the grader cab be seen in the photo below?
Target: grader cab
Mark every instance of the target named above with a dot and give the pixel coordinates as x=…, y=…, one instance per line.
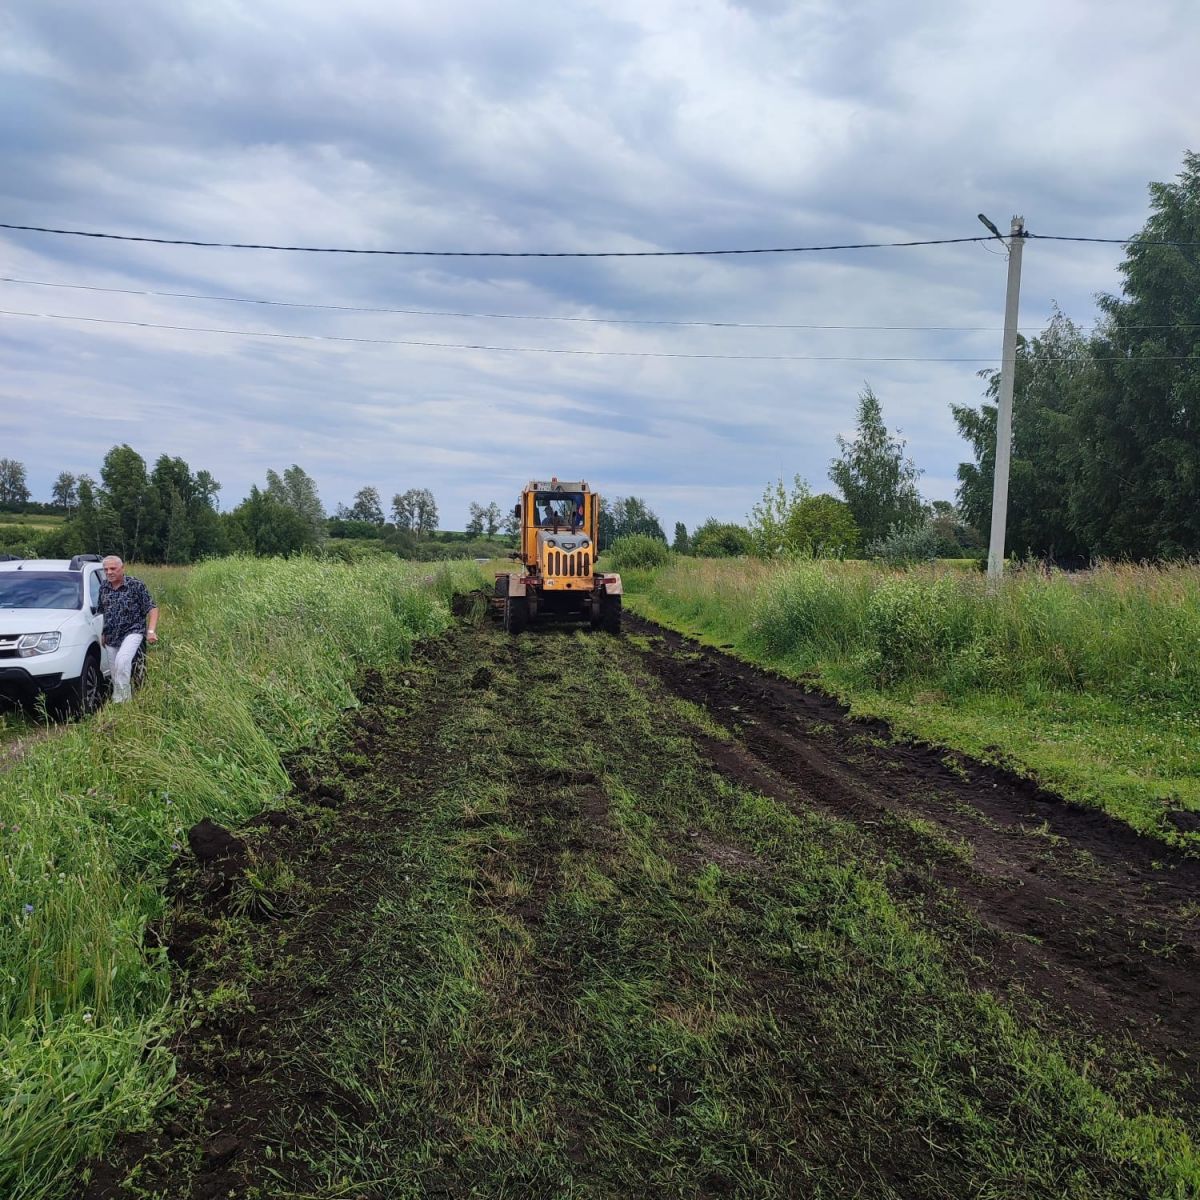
x=558, y=579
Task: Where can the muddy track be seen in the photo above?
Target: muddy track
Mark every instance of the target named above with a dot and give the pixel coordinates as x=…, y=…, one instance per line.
x=1072, y=906
x=516, y=936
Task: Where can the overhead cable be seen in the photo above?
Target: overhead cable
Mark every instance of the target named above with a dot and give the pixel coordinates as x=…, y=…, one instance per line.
x=161, y=241
x=499, y=316
x=1053, y=237
x=127, y=237
x=326, y=337
x=432, y=312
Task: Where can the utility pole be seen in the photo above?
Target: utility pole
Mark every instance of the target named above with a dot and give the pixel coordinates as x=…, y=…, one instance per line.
x=1008, y=370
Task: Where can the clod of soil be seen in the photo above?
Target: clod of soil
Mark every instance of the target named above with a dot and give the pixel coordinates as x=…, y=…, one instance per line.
x=1185, y=822
x=222, y=858
x=213, y=844
x=274, y=819
x=221, y=1150
x=467, y=604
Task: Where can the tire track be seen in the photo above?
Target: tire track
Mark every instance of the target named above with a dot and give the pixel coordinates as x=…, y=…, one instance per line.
x=1074, y=906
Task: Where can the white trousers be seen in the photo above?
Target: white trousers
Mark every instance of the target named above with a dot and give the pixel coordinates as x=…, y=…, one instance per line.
x=122, y=666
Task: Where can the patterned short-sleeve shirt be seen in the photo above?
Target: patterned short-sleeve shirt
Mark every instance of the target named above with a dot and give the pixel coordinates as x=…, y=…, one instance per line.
x=125, y=609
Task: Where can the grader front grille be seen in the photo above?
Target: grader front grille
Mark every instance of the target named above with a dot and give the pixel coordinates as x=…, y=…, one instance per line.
x=577, y=565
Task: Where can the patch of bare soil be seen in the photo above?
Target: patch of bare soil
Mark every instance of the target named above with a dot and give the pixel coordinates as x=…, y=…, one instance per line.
x=266, y=927
x=1067, y=903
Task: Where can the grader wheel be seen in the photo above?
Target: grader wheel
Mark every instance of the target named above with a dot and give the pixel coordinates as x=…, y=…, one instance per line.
x=516, y=614
x=610, y=614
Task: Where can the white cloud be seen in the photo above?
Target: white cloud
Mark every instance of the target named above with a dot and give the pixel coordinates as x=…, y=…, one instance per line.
x=622, y=126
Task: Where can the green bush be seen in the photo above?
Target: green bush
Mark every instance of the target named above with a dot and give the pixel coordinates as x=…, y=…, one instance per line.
x=719, y=539
x=636, y=551
x=905, y=546
x=822, y=527
x=917, y=627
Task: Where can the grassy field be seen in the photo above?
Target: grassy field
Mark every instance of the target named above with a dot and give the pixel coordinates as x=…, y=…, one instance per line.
x=257, y=659
x=31, y=520
x=1090, y=683
x=540, y=948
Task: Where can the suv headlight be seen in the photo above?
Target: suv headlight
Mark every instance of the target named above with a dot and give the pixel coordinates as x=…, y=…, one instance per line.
x=38, y=643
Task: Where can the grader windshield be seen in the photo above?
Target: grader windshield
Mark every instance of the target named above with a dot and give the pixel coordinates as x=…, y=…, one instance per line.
x=560, y=509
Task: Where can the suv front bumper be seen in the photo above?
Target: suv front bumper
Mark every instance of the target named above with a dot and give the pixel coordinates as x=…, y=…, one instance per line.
x=17, y=685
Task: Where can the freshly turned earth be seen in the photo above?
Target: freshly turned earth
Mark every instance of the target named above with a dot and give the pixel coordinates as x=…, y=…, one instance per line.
x=301, y=982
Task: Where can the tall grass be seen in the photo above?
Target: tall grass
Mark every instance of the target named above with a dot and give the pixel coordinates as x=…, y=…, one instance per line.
x=257, y=656
x=1090, y=680
x=1128, y=632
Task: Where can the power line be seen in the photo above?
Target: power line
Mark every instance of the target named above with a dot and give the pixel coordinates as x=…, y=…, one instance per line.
x=126, y=237
x=499, y=316
x=1051, y=237
x=328, y=337
x=158, y=241
x=430, y=312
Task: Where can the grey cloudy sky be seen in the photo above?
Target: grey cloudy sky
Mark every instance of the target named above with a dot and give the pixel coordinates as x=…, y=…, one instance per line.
x=660, y=124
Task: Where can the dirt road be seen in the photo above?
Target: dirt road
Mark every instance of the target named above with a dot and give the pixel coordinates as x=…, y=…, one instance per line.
x=566, y=915
x=1068, y=903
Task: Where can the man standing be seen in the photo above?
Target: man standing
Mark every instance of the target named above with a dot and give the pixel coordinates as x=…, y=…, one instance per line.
x=128, y=613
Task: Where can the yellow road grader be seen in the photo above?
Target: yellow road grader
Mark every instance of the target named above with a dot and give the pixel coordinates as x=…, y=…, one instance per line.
x=558, y=579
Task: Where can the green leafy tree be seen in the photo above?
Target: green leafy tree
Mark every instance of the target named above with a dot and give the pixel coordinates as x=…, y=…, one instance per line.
x=1053, y=372
x=492, y=517
x=209, y=538
x=720, y=539
x=171, y=540
x=875, y=478
x=415, y=511
x=297, y=490
x=177, y=543
x=268, y=526
x=680, y=542
x=13, y=488
x=65, y=492
x=132, y=502
x=207, y=489
x=627, y=517
x=955, y=537
x=769, y=518
x=1135, y=449
x=425, y=513
x=478, y=514
x=367, y=506
x=96, y=525
x=822, y=527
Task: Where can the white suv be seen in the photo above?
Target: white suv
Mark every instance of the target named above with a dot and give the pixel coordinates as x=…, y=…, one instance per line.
x=50, y=624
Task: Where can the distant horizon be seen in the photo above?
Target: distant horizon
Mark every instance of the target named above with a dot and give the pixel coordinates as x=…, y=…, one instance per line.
x=640, y=127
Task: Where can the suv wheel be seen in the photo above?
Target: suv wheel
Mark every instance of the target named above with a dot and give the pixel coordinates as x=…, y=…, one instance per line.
x=82, y=696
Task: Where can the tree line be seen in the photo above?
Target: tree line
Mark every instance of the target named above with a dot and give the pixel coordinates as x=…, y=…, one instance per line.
x=1106, y=425
x=169, y=514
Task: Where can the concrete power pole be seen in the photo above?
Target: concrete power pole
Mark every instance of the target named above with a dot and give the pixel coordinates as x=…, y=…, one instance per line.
x=1008, y=370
